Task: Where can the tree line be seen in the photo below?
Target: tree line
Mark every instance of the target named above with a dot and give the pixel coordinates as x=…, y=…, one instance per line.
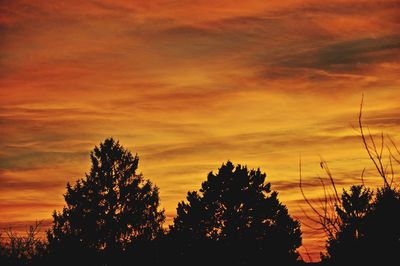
x=112, y=216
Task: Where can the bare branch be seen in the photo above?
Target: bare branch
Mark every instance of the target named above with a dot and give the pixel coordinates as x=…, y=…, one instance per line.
x=362, y=177
x=324, y=165
x=378, y=164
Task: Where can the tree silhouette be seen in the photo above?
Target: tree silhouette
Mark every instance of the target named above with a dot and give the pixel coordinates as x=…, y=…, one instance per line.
x=107, y=212
x=237, y=219
x=383, y=226
x=362, y=227
x=348, y=241
x=369, y=231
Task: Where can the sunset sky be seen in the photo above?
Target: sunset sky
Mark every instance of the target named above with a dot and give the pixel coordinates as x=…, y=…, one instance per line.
x=189, y=85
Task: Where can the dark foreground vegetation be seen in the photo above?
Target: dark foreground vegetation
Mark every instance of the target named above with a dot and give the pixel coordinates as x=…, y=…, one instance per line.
x=112, y=217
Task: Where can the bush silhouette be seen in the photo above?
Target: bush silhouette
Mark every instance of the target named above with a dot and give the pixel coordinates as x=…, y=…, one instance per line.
x=108, y=212
x=18, y=249
x=235, y=219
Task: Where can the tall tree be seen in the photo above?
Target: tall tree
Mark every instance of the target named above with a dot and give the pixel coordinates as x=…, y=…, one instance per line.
x=237, y=218
x=110, y=209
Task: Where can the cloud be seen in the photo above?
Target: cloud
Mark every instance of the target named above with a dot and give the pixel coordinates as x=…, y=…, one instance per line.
x=188, y=86
x=10, y=184
x=348, y=55
x=31, y=158
x=383, y=119
x=349, y=7
x=20, y=227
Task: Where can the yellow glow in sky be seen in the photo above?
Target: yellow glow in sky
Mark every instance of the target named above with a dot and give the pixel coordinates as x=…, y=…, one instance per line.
x=188, y=85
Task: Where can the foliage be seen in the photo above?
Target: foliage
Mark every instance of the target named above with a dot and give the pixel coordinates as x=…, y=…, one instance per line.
x=369, y=230
x=21, y=250
x=110, y=210
x=235, y=217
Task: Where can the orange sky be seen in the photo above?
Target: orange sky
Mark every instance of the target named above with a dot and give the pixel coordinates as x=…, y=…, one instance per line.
x=188, y=85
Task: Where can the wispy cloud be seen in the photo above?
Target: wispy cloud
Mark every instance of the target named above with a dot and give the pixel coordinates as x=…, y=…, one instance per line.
x=188, y=86
x=348, y=56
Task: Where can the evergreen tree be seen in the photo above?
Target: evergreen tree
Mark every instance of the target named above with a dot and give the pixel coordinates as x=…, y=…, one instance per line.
x=235, y=218
x=369, y=230
x=107, y=212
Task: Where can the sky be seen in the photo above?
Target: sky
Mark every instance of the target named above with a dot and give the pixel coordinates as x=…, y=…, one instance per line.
x=188, y=85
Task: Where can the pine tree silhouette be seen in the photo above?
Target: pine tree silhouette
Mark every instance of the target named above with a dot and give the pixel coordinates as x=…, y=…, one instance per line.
x=108, y=212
